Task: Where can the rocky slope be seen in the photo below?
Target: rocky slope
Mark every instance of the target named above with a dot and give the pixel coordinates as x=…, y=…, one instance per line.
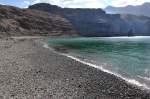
x=28, y=22
x=136, y=10
x=95, y=22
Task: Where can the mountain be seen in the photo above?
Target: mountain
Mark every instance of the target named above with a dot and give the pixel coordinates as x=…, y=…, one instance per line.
x=24, y=22
x=95, y=22
x=50, y=20
x=136, y=10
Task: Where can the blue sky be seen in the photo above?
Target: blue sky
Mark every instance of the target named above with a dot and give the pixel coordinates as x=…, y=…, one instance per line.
x=75, y=3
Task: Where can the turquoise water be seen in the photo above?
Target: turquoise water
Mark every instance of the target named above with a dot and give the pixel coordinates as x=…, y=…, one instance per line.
x=127, y=56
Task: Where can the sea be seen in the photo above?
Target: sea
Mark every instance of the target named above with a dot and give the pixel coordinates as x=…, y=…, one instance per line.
x=125, y=57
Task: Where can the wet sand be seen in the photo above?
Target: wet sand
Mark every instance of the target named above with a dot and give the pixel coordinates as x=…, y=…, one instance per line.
x=30, y=71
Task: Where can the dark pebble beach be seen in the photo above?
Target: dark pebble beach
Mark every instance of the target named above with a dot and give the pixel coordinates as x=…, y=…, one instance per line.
x=30, y=71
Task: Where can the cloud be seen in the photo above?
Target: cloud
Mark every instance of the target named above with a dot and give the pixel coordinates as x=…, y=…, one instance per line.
x=75, y=3
x=26, y=2
x=88, y=3
x=122, y=3
x=55, y=2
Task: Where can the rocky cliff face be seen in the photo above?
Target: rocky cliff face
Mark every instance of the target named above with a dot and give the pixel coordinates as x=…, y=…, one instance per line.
x=28, y=22
x=95, y=22
x=135, y=10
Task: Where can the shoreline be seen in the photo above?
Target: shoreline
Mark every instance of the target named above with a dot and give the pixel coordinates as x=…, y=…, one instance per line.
x=132, y=82
x=128, y=80
x=32, y=71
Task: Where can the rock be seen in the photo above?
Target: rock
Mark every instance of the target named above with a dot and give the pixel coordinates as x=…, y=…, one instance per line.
x=95, y=22
x=135, y=10
x=27, y=22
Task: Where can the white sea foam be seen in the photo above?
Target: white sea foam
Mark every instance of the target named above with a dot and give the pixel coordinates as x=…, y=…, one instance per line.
x=130, y=37
x=145, y=78
x=128, y=80
x=45, y=45
x=131, y=81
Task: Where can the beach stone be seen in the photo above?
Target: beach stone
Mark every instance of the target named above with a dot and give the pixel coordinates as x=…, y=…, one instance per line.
x=30, y=71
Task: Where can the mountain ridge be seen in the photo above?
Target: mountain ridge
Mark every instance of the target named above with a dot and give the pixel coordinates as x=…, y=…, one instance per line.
x=135, y=10
x=29, y=22
x=48, y=20
x=96, y=22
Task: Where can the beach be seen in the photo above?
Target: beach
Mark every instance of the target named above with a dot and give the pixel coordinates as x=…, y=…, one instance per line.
x=30, y=71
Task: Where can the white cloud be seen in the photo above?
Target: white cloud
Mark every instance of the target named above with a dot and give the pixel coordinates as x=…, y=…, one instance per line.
x=75, y=3
x=122, y=3
x=26, y=2
x=54, y=2
x=88, y=3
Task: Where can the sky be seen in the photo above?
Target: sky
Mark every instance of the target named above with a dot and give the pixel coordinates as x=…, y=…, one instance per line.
x=75, y=3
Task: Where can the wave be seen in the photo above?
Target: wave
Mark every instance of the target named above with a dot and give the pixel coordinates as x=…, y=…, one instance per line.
x=128, y=80
x=129, y=37
x=145, y=78
x=131, y=81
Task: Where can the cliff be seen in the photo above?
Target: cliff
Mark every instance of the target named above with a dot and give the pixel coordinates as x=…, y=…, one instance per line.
x=135, y=10
x=95, y=22
x=27, y=22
